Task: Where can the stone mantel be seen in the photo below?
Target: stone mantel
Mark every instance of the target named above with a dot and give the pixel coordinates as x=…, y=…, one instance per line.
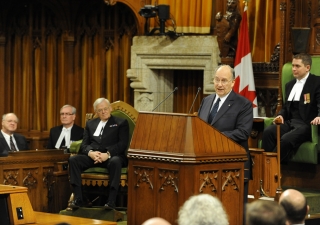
x=153, y=59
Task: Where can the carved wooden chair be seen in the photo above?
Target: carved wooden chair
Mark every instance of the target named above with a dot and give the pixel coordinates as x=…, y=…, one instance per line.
x=309, y=150
x=95, y=180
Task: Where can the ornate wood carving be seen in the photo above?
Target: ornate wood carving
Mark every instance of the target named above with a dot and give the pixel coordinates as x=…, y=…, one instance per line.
x=231, y=178
x=309, y=14
x=110, y=2
x=10, y=177
x=208, y=179
x=267, y=101
x=168, y=178
x=30, y=181
x=143, y=175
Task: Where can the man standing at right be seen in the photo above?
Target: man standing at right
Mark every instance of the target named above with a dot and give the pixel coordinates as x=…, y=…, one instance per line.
x=295, y=205
x=301, y=108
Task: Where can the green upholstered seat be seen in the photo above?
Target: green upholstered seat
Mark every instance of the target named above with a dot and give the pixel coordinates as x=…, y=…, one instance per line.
x=96, y=175
x=308, y=151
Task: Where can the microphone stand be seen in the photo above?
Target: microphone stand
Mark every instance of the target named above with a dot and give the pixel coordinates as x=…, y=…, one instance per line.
x=176, y=88
x=199, y=88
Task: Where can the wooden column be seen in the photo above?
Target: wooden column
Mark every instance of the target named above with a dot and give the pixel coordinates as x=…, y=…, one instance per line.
x=3, y=75
x=69, y=44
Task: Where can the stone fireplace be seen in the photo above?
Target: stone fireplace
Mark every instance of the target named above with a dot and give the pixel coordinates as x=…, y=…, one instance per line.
x=153, y=60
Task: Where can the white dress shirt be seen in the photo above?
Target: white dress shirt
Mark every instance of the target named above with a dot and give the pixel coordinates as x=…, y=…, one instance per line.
x=7, y=138
x=297, y=89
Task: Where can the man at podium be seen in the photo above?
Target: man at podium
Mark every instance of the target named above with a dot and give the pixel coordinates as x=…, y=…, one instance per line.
x=230, y=113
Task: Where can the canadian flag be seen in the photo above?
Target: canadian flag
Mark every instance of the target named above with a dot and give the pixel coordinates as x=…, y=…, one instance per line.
x=244, y=83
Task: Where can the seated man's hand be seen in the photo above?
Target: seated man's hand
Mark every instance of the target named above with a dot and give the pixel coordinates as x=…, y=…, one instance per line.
x=315, y=121
x=102, y=157
x=95, y=156
x=278, y=119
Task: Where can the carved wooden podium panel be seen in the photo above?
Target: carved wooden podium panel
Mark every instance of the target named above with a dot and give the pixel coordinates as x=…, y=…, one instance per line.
x=44, y=173
x=18, y=207
x=175, y=156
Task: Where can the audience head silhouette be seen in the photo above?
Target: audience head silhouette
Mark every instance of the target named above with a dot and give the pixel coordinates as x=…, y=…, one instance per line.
x=263, y=212
x=156, y=221
x=202, y=209
x=295, y=205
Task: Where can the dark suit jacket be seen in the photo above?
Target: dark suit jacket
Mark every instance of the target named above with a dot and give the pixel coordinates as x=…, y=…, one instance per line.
x=307, y=111
x=115, y=137
x=21, y=142
x=234, y=119
x=76, y=135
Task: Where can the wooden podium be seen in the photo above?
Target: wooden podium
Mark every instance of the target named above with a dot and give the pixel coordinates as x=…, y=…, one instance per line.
x=175, y=156
x=45, y=175
x=15, y=205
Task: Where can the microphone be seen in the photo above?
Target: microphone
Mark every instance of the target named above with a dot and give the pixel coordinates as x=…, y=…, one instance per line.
x=176, y=88
x=199, y=88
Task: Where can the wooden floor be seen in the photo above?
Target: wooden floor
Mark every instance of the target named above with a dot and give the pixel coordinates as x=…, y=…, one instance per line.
x=53, y=219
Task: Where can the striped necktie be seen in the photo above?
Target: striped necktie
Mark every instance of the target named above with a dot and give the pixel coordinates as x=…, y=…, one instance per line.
x=12, y=146
x=214, y=111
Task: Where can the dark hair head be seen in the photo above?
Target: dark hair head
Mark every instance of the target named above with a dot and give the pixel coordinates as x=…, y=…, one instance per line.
x=263, y=212
x=305, y=58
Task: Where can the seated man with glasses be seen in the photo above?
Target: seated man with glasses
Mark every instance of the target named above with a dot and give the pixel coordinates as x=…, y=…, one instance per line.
x=105, y=141
x=10, y=141
x=62, y=136
x=230, y=113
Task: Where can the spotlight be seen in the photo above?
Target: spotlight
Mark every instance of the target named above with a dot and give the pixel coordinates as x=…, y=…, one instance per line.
x=160, y=11
x=148, y=11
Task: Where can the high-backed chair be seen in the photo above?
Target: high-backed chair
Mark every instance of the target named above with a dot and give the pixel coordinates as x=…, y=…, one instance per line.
x=98, y=176
x=308, y=151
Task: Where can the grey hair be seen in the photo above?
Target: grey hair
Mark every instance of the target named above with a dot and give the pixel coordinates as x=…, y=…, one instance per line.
x=5, y=115
x=229, y=67
x=74, y=110
x=98, y=101
x=202, y=209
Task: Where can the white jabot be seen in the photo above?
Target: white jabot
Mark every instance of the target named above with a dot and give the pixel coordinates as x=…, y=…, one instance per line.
x=297, y=89
x=66, y=134
x=99, y=127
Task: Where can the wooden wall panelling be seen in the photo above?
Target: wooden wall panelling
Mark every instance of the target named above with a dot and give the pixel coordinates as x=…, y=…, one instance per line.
x=315, y=29
x=42, y=57
x=257, y=162
x=298, y=175
x=169, y=185
x=270, y=174
x=2, y=73
x=35, y=170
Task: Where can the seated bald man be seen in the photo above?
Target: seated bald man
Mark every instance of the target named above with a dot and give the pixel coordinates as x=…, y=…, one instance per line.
x=9, y=140
x=295, y=205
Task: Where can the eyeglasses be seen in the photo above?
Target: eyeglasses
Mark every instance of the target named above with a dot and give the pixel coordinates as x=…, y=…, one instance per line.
x=11, y=121
x=223, y=81
x=101, y=110
x=66, y=114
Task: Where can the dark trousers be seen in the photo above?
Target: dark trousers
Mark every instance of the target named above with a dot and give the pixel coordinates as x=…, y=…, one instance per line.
x=79, y=163
x=292, y=134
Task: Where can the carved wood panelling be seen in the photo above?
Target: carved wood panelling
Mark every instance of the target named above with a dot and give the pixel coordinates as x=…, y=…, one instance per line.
x=29, y=178
x=168, y=178
x=230, y=179
x=208, y=182
x=10, y=177
x=143, y=175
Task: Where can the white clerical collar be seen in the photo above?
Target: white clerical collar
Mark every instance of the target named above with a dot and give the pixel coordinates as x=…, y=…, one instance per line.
x=297, y=89
x=99, y=128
